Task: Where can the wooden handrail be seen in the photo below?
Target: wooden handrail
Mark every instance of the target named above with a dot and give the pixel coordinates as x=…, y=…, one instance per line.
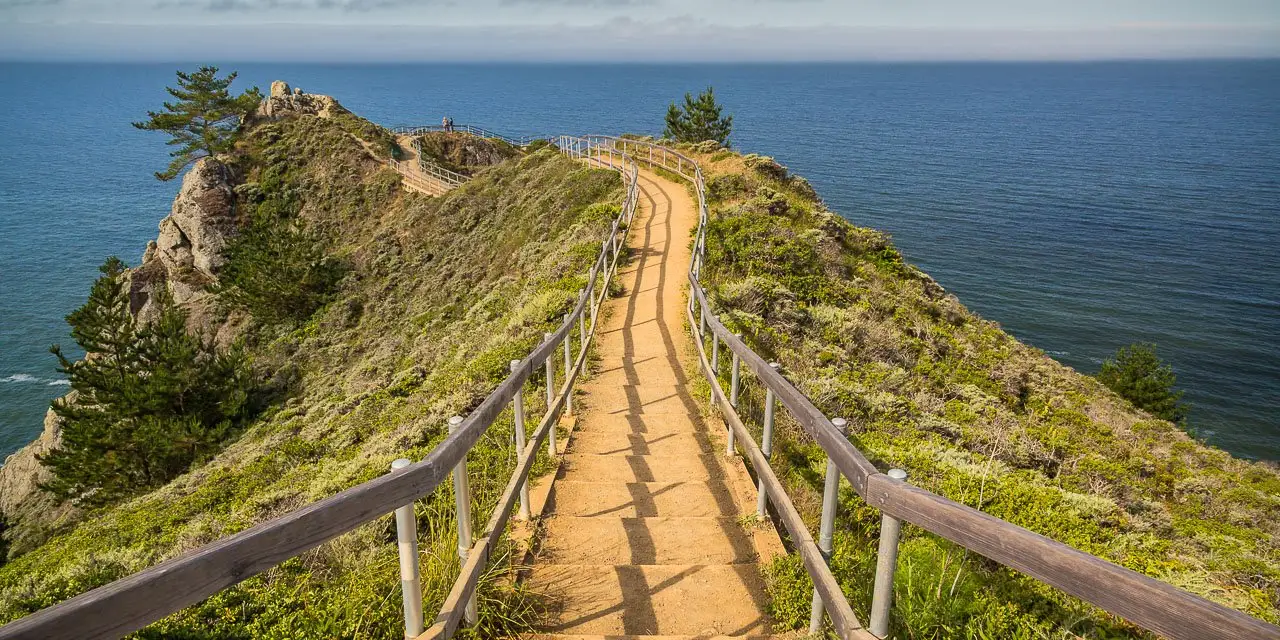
x=842, y=616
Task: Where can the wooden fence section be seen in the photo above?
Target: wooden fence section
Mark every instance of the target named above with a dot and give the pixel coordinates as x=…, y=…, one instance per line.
x=469, y=129
x=1144, y=601
x=131, y=603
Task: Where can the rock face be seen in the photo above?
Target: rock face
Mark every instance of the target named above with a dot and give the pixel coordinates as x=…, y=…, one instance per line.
x=462, y=151
x=201, y=221
x=283, y=102
x=27, y=507
x=188, y=253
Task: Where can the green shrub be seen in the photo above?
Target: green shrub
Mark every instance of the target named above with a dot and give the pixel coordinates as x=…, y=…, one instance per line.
x=1139, y=376
x=278, y=271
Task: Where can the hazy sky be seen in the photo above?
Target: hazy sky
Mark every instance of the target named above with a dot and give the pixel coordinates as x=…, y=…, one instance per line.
x=337, y=30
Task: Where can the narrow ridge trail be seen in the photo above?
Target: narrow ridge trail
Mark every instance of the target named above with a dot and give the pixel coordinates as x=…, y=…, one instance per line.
x=643, y=529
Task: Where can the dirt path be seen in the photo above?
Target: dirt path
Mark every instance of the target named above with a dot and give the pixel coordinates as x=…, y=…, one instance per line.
x=644, y=533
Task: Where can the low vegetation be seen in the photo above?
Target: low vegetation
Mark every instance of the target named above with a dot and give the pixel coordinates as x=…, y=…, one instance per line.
x=435, y=297
x=971, y=414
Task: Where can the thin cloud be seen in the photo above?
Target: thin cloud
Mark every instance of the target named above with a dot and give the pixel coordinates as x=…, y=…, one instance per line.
x=584, y=3
x=250, y=6
x=18, y=4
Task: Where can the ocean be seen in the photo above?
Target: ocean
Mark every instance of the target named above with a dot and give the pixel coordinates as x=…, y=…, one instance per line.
x=1083, y=206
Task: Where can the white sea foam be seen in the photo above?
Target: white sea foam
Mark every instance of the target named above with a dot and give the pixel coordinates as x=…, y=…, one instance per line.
x=20, y=377
x=61, y=382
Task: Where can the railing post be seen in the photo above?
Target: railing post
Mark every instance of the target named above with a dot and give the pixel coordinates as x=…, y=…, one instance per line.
x=517, y=405
x=886, y=564
x=766, y=443
x=733, y=392
x=551, y=395
x=568, y=365
x=582, y=320
x=462, y=499
x=410, y=576
x=591, y=293
x=702, y=328
x=715, y=352
x=826, y=531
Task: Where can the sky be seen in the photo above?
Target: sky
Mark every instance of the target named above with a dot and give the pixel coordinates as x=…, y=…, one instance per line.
x=636, y=30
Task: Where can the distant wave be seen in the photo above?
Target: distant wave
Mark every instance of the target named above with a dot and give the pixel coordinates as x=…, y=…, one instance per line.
x=26, y=378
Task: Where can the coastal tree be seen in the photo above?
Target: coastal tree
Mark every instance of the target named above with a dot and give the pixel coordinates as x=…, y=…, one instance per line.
x=1139, y=376
x=203, y=121
x=150, y=399
x=698, y=119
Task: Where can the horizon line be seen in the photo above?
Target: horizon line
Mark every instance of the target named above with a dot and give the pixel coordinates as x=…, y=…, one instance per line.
x=709, y=61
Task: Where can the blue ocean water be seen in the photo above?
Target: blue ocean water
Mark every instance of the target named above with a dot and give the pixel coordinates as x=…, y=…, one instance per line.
x=1083, y=206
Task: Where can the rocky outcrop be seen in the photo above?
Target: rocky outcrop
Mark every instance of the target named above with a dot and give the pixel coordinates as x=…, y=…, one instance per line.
x=283, y=102
x=202, y=219
x=186, y=256
x=30, y=510
x=463, y=152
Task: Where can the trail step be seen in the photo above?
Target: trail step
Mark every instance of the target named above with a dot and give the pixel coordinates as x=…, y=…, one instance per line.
x=682, y=467
x=699, y=600
x=647, y=541
x=641, y=499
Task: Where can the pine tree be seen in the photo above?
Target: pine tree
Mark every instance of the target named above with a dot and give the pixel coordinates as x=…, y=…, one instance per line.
x=204, y=120
x=150, y=399
x=1139, y=376
x=700, y=119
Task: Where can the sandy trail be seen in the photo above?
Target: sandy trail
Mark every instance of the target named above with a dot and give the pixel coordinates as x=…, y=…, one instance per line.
x=643, y=534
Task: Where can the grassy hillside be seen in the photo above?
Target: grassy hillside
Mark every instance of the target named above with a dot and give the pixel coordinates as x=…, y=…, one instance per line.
x=974, y=415
x=439, y=294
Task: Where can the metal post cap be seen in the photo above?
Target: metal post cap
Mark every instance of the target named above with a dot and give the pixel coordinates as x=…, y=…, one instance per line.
x=775, y=366
x=400, y=463
x=547, y=336
x=515, y=364
x=738, y=335
x=454, y=422
x=841, y=425
x=897, y=474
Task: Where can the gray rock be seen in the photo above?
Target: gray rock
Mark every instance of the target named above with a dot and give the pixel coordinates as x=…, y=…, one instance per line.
x=283, y=102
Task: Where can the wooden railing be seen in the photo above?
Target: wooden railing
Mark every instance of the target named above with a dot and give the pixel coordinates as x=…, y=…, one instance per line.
x=469, y=129
x=131, y=603
x=1137, y=598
